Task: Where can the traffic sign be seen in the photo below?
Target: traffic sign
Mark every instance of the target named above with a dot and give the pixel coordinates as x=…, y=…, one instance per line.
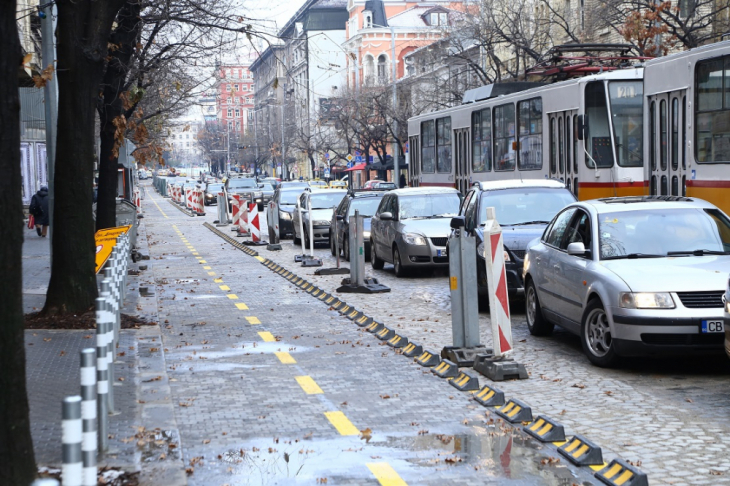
x=349, y=158
x=358, y=159
x=349, y=165
x=327, y=155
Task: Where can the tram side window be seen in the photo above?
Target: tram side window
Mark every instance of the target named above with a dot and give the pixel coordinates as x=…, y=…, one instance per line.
x=712, y=127
x=443, y=144
x=627, y=108
x=504, y=136
x=481, y=130
x=428, y=147
x=530, y=143
x=598, y=139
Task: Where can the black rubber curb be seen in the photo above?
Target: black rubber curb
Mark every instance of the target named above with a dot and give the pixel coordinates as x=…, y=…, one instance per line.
x=182, y=209
x=514, y=412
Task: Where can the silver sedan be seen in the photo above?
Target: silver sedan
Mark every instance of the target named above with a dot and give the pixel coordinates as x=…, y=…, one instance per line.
x=632, y=276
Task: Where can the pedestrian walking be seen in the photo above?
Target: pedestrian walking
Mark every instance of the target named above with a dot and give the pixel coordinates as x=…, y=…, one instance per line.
x=39, y=209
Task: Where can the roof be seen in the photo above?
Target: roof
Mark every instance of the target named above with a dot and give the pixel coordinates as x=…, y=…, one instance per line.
x=640, y=203
x=426, y=191
x=314, y=5
x=413, y=17
x=517, y=183
x=378, y=10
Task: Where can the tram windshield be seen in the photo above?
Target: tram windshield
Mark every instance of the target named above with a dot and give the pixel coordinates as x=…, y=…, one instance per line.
x=627, y=111
x=598, y=133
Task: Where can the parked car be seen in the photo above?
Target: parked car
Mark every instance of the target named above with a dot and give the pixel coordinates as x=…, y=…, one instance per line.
x=632, y=276
x=323, y=204
x=211, y=193
x=293, y=184
x=523, y=209
x=318, y=184
x=244, y=186
x=285, y=198
x=267, y=193
x=383, y=186
x=335, y=184
x=726, y=304
x=411, y=227
x=369, y=184
x=273, y=181
x=366, y=202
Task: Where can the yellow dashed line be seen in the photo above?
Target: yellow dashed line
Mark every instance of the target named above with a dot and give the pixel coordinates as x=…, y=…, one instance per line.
x=309, y=386
x=218, y=280
x=224, y=287
x=267, y=336
x=233, y=296
x=241, y=306
x=253, y=320
x=158, y=207
x=202, y=261
x=285, y=358
x=196, y=253
x=206, y=267
x=211, y=273
x=199, y=258
x=385, y=474
x=341, y=423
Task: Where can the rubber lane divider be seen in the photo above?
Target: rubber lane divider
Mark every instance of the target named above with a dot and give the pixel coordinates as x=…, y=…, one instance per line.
x=446, y=369
x=232, y=241
x=285, y=357
x=309, y=386
x=398, y=341
x=385, y=474
x=341, y=423
x=545, y=429
x=184, y=210
x=465, y=382
x=581, y=452
x=412, y=350
x=621, y=473
x=267, y=337
x=385, y=334
x=515, y=411
x=489, y=397
x=428, y=359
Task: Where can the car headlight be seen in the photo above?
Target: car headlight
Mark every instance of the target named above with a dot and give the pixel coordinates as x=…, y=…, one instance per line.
x=365, y=235
x=285, y=216
x=258, y=194
x=646, y=300
x=414, y=239
x=321, y=223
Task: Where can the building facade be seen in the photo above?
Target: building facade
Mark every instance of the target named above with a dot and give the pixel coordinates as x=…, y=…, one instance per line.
x=235, y=97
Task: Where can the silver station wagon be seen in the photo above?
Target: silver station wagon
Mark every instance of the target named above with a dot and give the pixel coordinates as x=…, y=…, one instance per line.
x=632, y=276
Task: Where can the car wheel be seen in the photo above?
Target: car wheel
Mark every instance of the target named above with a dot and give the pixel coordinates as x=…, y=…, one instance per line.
x=332, y=246
x=536, y=322
x=398, y=264
x=297, y=241
x=376, y=262
x=306, y=239
x=596, y=337
x=346, y=250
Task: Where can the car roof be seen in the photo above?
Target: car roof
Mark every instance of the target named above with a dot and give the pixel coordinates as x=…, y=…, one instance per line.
x=416, y=191
x=517, y=183
x=642, y=203
x=316, y=190
x=364, y=194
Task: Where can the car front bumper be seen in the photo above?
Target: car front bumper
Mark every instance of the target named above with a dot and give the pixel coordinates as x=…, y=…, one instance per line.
x=418, y=256
x=513, y=270
x=664, y=332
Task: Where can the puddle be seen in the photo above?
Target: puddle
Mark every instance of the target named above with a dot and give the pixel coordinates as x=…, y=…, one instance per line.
x=478, y=454
x=203, y=352
x=186, y=280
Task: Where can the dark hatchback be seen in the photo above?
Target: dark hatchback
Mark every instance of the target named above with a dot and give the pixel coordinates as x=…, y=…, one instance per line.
x=523, y=209
x=211, y=193
x=366, y=202
x=285, y=198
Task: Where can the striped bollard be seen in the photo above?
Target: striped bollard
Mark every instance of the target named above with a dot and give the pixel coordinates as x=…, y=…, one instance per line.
x=109, y=274
x=71, y=470
x=88, y=416
x=107, y=322
x=102, y=374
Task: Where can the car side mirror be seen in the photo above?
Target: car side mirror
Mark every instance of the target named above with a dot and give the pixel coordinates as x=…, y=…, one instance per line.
x=386, y=216
x=578, y=249
x=340, y=217
x=458, y=222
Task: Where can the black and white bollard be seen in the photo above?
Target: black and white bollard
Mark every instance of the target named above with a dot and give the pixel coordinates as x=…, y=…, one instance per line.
x=102, y=374
x=107, y=321
x=72, y=468
x=88, y=416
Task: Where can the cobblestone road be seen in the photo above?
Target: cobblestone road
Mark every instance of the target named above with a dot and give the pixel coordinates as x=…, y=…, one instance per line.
x=669, y=416
x=269, y=386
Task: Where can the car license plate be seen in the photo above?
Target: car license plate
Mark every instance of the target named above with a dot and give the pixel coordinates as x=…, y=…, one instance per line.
x=440, y=253
x=712, y=326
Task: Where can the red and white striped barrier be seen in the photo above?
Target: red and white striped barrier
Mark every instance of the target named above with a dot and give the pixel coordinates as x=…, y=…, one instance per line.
x=497, y=285
x=189, y=198
x=237, y=204
x=243, y=223
x=138, y=200
x=199, y=203
x=254, y=225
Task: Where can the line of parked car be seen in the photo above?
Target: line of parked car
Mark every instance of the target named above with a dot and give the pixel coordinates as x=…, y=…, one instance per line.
x=630, y=276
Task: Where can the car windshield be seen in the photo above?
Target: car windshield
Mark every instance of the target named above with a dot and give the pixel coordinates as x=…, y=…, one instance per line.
x=384, y=185
x=524, y=205
x=214, y=187
x=428, y=206
x=288, y=198
x=317, y=183
x=366, y=205
x=662, y=232
x=266, y=187
x=242, y=182
x=326, y=200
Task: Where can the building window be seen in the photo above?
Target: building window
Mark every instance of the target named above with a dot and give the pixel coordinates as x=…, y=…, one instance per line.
x=369, y=69
x=229, y=101
x=382, y=69
x=250, y=114
x=238, y=113
x=230, y=125
x=230, y=113
x=235, y=87
x=238, y=125
x=367, y=20
x=244, y=87
x=440, y=19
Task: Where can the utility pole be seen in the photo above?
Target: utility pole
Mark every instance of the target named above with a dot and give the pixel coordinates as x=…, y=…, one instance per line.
x=228, y=147
x=48, y=58
x=283, y=142
x=396, y=174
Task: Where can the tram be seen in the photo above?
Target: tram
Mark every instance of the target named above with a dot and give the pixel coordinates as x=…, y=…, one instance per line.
x=624, y=132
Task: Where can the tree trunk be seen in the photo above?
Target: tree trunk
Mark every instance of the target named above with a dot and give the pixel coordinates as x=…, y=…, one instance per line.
x=83, y=33
x=17, y=462
x=124, y=38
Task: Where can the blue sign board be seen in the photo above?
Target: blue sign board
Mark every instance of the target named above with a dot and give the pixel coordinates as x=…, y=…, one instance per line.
x=358, y=158
x=349, y=165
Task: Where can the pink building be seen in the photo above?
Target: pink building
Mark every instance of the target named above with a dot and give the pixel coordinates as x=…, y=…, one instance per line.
x=234, y=97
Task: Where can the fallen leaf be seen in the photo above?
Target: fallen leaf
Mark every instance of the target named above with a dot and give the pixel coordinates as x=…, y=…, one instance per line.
x=366, y=435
